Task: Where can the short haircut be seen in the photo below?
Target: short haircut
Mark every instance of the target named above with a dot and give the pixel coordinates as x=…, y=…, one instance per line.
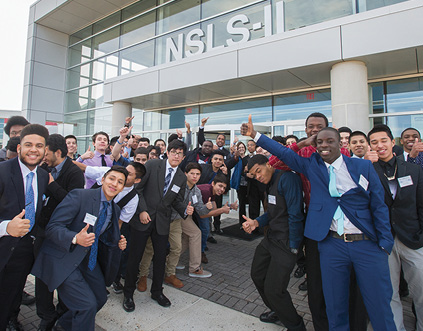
x=156, y=149
x=317, y=115
x=344, y=129
x=113, y=140
x=139, y=169
x=117, y=168
x=100, y=133
x=37, y=129
x=12, y=144
x=380, y=128
x=292, y=136
x=252, y=140
x=71, y=136
x=222, y=178
x=15, y=120
x=209, y=141
x=141, y=150
x=331, y=130
x=221, y=134
x=279, y=139
x=357, y=133
x=217, y=152
x=177, y=144
x=402, y=133
x=172, y=137
x=257, y=159
x=157, y=140
x=193, y=165
x=144, y=139
x=241, y=143
x=57, y=142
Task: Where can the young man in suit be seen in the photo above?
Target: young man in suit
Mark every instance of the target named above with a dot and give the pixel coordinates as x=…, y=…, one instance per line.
x=413, y=146
x=22, y=185
x=64, y=177
x=81, y=253
x=350, y=221
x=162, y=187
x=403, y=184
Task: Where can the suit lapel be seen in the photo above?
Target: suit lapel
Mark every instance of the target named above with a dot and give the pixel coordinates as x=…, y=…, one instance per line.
x=383, y=179
x=161, y=173
x=401, y=173
x=18, y=182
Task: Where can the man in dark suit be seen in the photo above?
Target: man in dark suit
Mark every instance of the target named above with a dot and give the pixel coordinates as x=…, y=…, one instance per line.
x=350, y=221
x=403, y=184
x=80, y=255
x=22, y=185
x=162, y=187
x=64, y=177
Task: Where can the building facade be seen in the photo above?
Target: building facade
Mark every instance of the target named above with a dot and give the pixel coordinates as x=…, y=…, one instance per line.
x=91, y=63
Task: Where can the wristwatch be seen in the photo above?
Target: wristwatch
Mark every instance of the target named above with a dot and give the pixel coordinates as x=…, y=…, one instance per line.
x=74, y=240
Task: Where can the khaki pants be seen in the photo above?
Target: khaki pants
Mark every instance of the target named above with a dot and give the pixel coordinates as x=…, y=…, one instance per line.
x=175, y=241
x=191, y=237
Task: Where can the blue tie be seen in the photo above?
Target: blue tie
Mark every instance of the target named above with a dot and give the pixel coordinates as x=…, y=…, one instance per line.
x=99, y=225
x=339, y=215
x=29, y=201
x=167, y=180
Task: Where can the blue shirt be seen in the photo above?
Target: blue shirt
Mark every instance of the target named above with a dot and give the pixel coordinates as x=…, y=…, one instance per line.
x=58, y=168
x=109, y=211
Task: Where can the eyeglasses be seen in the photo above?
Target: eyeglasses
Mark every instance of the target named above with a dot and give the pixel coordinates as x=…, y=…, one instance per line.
x=175, y=153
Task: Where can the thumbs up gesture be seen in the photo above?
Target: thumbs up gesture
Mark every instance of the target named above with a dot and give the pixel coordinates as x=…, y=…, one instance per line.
x=190, y=209
x=247, y=129
x=234, y=205
x=416, y=149
x=122, y=243
x=18, y=226
x=209, y=204
x=84, y=238
x=249, y=225
x=371, y=155
x=88, y=154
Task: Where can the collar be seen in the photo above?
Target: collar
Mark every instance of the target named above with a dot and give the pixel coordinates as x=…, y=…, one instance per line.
x=169, y=166
x=96, y=153
x=103, y=197
x=59, y=167
x=127, y=189
x=336, y=164
x=405, y=155
x=389, y=164
x=24, y=169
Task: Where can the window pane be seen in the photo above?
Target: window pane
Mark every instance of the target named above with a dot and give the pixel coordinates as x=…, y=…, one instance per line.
x=399, y=123
x=138, y=120
x=79, y=76
x=106, y=42
x=97, y=96
x=372, y=4
x=79, y=53
x=79, y=123
x=237, y=112
x=299, y=106
x=404, y=95
x=175, y=118
x=137, y=57
x=138, y=29
x=77, y=100
x=137, y=8
x=214, y=7
x=106, y=22
x=378, y=98
x=177, y=14
x=100, y=120
x=81, y=34
x=105, y=68
x=151, y=121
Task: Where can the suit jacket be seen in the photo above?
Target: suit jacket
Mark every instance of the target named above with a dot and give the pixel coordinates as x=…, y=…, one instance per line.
x=12, y=201
x=58, y=258
x=152, y=200
x=364, y=206
x=406, y=210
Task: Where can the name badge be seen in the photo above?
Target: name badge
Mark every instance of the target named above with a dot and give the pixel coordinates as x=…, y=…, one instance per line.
x=194, y=199
x=271, y=199
x=175, y=188
x=364, y=183
x=405, y=181
x=90, y=219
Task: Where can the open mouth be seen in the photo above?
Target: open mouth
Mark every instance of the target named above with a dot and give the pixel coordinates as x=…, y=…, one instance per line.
x=325, y=153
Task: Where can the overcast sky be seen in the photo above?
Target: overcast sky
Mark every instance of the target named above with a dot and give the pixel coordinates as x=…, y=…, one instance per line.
x=13, y=36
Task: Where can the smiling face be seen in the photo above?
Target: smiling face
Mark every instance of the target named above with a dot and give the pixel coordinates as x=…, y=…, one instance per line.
x=51, y=158
x=409, y=138
x=241, y=150
x=175, y=157
x=251, y=146
x=207, y=147
x=162, y=146
x=345, y=139
x=262, y=172
x=100, y=144
x=314, y=125
x=72, y=146
x=220, y=140
x=290, y=141
x=132, y=176
x=141, y=158
x=31, y=150
x=218, y=188
x=112, y=184
x=382, y=144
x=217, y=161
x=328, y=145
x=359, y=145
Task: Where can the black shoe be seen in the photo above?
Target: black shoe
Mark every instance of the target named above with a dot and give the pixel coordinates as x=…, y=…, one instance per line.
x=117, y=287
x=128, y=304
x=14, y=325
x=161, y=299
x=27, y=299
x=211, y=240
x=303, y=286
x=269, y=317
x=58, y=327
x=204, y=258
x=299, y=272
x=47, y=325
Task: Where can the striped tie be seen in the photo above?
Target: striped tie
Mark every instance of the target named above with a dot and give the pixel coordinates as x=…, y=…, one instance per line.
x=339, y=215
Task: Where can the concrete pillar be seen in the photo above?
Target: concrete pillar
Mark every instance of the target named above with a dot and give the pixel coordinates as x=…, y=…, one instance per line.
x=350, y=95
x=120, y=111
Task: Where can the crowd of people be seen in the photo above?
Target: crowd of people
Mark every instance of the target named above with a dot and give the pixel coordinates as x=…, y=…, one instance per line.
x=345, y=207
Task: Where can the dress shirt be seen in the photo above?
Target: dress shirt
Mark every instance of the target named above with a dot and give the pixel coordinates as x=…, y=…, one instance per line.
x=109, y=212
x=416, y=160
x=172, y=174
x=58, y=169
x=196, y=202
x=390, y=169
x=130, y=208
x=344, y=183
x=95, y=173
x=95, y=161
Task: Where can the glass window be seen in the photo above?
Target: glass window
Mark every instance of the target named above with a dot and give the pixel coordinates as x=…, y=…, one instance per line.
x=175, y=118
x=237, y=112
x=79, y=123
x=177, y=14
x=378, y=98
x=81, y=34
x=308, y=12
x=373, y=4
x=97, y=96
x=138, y=120
x=397, y=124
x=79, y=53
x=105, y=68
x=77, y=100
x=137, y=57
x=79, y=76
x=404, y=95
x=138, y=29
x=106, y=42
x=300, y=105
x=152, y=120
x=100, y=120
x=214, y=7
x=106, y=22
x=152, y=136
x=137, y=8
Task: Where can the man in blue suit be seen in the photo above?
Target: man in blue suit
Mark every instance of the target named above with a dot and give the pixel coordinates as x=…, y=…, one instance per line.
x=81, y=253
x=349, y=219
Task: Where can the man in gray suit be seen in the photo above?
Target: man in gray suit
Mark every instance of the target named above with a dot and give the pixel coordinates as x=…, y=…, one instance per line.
x=162, y=187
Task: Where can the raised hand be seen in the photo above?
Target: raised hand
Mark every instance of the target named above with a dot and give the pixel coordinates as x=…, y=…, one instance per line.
x=209, y=204
x=204, y=121
x=190, y=209
x=88, y=154
x=416, y=149
x=234, y=205
x=85, y=239
x=226, y=209
x=128, y=120
x=18, y=226
x=249, y=225
x=123, y=132
x=247, y=129
x=371, y=155
x=188, y=126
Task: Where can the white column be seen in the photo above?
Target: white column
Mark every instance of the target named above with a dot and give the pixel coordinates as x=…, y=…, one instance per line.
x=350, y=95
x=120, y=111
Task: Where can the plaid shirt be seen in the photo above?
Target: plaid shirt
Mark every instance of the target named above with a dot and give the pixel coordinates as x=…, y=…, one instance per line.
x=304, y=152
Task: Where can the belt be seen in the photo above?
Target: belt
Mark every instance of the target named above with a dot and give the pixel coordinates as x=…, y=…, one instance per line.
x=347, y=237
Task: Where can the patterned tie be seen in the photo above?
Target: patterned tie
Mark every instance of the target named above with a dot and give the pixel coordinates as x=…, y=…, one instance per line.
x=103, y=161
x=339, y=215
x=167, y=180
x=29, y=201
x=99, y=225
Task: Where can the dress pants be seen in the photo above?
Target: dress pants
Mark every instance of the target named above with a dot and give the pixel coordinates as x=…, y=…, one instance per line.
x=254, y=198
x=371, y=267
x=125, y=230
x=13, y=279
x=191, y=238
x=84, y=293
x=412, y=264
x=216, y=219
x=136, y=250
x=242, y=201
x=270, y=271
